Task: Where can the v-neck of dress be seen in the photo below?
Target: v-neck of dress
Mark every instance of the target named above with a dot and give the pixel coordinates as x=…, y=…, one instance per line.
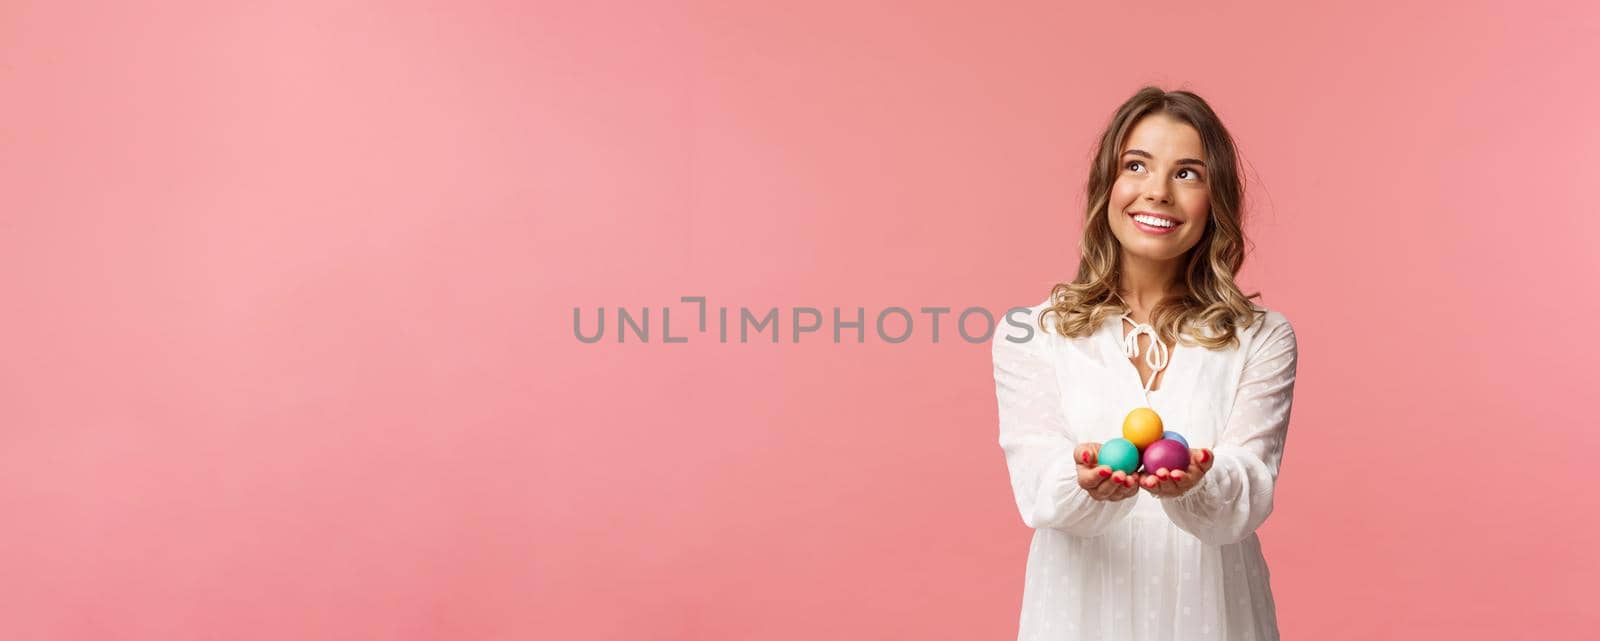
x=1121, y=339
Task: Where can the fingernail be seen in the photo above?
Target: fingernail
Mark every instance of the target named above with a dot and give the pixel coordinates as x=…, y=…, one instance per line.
x=1086, y=457
x=1205, y=455
x=1105, y=472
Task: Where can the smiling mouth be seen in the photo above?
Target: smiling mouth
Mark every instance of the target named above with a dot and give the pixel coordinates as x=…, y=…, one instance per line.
x=1156, y=221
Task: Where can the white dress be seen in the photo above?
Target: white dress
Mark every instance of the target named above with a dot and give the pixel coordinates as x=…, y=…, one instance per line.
x=1145, y=568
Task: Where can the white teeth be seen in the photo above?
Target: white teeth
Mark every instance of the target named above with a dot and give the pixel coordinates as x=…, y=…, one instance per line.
x=1154, y=222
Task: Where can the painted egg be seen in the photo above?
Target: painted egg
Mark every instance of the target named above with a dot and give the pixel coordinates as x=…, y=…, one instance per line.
x=1119, y=454
x=1142, y=427
x=1166, y=453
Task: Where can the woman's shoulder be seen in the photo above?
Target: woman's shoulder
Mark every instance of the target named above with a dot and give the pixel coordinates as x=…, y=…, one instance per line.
x=1016, y=322
x=1270, y=326
x=1019, y=331
x=1272, y=320
x=1262, y=323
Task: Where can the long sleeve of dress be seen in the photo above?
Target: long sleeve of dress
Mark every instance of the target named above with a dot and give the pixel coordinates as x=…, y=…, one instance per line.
x=1235, y=495
x=1038, y=447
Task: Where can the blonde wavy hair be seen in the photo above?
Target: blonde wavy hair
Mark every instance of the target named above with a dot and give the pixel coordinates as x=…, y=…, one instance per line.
x=1208, y=308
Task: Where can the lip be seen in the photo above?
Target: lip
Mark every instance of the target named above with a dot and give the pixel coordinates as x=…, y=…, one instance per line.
x=1156, y=231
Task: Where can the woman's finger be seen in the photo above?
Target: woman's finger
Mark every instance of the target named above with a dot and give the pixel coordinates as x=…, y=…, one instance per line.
x=1092, y=484
x=1114, y=491
x=1193, y=474
x=1107, y=490
x=1091, y=477
x=1083, y=455
x=1188, y=478
x=1164, y=482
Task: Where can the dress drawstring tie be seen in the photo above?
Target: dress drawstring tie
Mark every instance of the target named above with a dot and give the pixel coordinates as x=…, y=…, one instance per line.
x=1156, y=357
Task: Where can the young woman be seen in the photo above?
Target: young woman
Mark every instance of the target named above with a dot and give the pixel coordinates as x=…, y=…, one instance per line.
x=1153, y=319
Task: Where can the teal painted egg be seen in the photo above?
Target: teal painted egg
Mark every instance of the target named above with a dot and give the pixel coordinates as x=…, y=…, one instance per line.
x=1119, y=454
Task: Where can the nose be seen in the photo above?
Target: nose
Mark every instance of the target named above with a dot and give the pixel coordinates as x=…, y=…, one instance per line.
x=1155, y=190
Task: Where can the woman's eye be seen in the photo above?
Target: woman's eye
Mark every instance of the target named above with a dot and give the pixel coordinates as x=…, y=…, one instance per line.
x=1132, y=163
x=1192, y=173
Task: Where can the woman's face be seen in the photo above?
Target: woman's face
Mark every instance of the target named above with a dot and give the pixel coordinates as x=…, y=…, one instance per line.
x=1162, y=174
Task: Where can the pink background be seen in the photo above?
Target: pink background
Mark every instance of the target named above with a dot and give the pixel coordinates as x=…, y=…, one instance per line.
x=288, y=294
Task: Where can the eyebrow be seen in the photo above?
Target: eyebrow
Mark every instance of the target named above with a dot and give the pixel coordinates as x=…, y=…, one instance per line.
x=1146, y=154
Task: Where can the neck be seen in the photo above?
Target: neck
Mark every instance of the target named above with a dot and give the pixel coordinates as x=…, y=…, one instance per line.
x=1145, y=283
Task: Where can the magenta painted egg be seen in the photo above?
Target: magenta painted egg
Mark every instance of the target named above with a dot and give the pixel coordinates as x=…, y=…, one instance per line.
x=1166, y=453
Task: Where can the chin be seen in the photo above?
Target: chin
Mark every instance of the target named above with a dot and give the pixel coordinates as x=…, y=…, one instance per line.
x=1156, y=251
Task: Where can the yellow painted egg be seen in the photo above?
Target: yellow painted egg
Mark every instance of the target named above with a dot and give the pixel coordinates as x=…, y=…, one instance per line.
x=1142, y=427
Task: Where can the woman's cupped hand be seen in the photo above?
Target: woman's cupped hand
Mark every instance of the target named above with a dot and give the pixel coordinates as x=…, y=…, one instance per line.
x=1106, y=484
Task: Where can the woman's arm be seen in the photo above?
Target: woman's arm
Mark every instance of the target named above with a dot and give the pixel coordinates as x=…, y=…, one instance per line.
x=1234, y=497
x=1037, y=445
